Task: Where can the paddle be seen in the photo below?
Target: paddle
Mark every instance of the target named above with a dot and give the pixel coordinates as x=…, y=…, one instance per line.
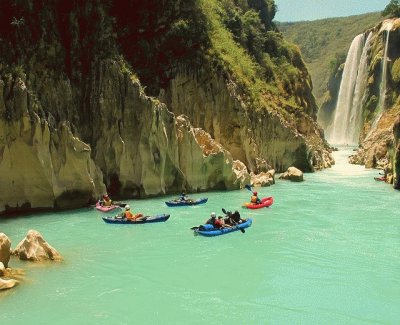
x=248, y=187
x=226, y=213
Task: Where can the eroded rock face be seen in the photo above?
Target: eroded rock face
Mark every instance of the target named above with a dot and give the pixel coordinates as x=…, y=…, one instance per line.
x=136, y=147
x=377, y=151
x=216, y=105
x=293, y=174
x=396, y=154
x=5, y=245
x=210, y=166
x=41, y=167
x=34, y=248
x=145, y=151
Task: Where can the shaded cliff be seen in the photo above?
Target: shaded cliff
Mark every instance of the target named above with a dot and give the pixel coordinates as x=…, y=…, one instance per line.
x=73, y=106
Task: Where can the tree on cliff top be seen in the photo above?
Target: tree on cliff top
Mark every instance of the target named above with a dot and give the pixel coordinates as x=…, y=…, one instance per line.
x=392, y=9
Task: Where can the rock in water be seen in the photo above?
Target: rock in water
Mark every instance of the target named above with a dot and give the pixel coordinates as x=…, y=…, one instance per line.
x=34, y=248
x=5, y=245
x=293, y=174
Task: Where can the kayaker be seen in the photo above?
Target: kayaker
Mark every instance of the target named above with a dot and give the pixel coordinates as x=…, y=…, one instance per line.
x=212, y=219
x=106, y=200
x=219, y=223
x=235, y=217
x=255, y=199
x=183, y=196
x=130, y=216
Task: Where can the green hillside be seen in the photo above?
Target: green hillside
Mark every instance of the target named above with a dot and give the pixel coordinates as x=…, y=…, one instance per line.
x=324, y=43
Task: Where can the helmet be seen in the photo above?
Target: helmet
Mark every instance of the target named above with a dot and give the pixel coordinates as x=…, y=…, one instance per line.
x=254, y=193
x=127, y=207
x=213, y=215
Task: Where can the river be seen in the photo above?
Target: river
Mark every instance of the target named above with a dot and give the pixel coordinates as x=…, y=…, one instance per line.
x=326, y=252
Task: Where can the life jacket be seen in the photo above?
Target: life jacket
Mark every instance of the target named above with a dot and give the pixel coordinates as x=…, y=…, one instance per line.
x=128, y=215
x=254, y=199
x=218, y=223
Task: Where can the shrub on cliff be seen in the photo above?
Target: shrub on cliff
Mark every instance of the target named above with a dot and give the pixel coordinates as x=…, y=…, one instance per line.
x=392, y=9
x=396, y=71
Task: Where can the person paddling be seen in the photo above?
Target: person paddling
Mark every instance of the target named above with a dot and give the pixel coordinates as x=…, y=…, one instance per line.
x=130, y=216
x=183, y=196
x=106, y=201
x=255, y=199
x=212, y=219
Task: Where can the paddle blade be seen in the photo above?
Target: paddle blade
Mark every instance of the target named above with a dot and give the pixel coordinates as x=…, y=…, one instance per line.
x=223, y=210
x=249, y=187
x=242, y=230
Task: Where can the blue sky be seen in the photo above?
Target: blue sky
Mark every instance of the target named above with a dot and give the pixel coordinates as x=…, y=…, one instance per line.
x=295, y=10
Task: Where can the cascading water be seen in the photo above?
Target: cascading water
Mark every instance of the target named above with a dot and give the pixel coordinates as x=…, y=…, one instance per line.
x=355, y=120
x=342, y=131
x=386, y=26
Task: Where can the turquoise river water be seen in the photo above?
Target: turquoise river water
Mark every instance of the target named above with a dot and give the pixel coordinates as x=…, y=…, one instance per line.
x=326, y=252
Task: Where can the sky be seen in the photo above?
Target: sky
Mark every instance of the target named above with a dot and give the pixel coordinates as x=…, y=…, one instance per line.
x=296, y=10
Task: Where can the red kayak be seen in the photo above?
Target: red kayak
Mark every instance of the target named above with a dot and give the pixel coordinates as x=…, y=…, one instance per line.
x=106, y=208
x=383, y=178
x=265, y=202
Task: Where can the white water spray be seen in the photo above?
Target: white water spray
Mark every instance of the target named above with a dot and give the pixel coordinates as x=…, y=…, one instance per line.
x=355, y=121
x=386, y=26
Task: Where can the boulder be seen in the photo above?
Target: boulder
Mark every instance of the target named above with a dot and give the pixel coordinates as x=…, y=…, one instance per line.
x=263, y=179
x=293, y=174
x=34, y=248
x=5, y=245
x=2, y=269
x=7, y=283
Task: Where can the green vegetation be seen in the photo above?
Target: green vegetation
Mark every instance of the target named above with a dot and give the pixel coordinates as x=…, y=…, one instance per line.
x=246, y=44
x=392, y=9
x=396, y=71
x=155, y=39
x=324, y=44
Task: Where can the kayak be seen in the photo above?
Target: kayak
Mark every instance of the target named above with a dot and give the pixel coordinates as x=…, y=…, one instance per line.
x=148, y=219
x=210, y=231
x=383, y=178
x=265, y=202
x=105, y=208
x=179, y=203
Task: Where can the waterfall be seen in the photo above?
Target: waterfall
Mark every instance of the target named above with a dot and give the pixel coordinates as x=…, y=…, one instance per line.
x=386, y=26
x=343, y=128
x=355, y=121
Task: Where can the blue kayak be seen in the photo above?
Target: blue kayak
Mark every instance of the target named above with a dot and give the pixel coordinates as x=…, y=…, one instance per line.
x=147, y=219
x=210, y=231
x=180, y=203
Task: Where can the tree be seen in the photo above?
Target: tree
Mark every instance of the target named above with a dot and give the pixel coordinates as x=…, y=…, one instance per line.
x=392, y=9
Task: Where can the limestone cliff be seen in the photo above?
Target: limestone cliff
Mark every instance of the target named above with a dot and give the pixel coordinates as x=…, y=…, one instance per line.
x=141, y=147
x=379, y=138
x=216, y=105
x=41, y=167
x=92, y=95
